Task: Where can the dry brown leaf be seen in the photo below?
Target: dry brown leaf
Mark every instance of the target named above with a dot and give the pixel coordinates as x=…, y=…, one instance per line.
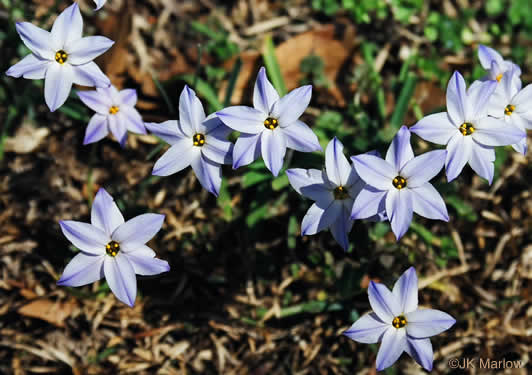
x=27, y=139
x=322, y=42
x=53, y=312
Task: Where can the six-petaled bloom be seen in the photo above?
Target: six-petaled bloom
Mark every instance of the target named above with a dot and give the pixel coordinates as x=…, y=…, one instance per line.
x=399, y=184
x=512, y=104
x=270, y=127
x=398, y=324
x=115, y=112
x=62, y=57
x=494, y=64
x=195, y=141
x=333, y=191
x=467, y=130
x=112, y=248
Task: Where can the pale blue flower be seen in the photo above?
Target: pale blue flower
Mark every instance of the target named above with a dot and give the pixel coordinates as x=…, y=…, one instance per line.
x=115, y=112
x=494, y=64
x=399, y=184
x=333, y=191
x=270, y=127
x=513, y=104
x=398, y=323
x=62, y=57
x=112, y=248
x=195, y=141
x=467, y=130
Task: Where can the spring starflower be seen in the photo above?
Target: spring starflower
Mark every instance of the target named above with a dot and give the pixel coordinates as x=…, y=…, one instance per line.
x=62, y=57
x=112, y=248
x=398, y=323
x=270, y=127
x=513, y=105
x=399, y=184
x=494, y=64
x=195, y=141
x=115, y=112
x=333, y=191
x=467, y=130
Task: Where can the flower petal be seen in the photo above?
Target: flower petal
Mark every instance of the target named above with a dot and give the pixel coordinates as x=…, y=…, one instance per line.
x=486, y=55
x=495, y=132
x=57, y=85
x=319, y=217
x=146, y=265
x=170, y=132
x=99, y=4
x=521, y=147
x=368, y=203
x=482, y=160
x=246, y=150
x=310, y=183
x=67, y=27
x=336, y=164
x=399, y=209
x=105, y=213
x=176, y=158
x=95, y=101
x=133, y=120
x=138, y=230
x=436, y=128
x=264, y=94
x=218, y=150
x=191, y=112
x=421, y=351
x=374, y=171
x=423, y=168
x=456, y=99
x=39, y=41
x=209, y=174
x=427, y=322
x=117, y=126
x=301, y=138
x=30, y=67
x=96, y=129
x=216, y=128
x=90, y=75
x=273, y=148
x=128, y=97
x=523, y=99
x=368, y=329
x=400, y=150
x=406, y=290
x=87, y=49
x=290, y=107
x=85, y=237
x=429, y=203
x=342, y=226
x=383, y=302
x=120, y=276
x=137, y=249
x=243, y=119
x=83, y=269
x=393, y=344
x=458, y=152
x=478, y=96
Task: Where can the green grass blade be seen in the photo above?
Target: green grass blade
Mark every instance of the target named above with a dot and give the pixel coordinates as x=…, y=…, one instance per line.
x=272, y=66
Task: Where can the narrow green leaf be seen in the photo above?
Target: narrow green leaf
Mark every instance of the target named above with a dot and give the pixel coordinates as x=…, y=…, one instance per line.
x=205, y=90
x=272, y=66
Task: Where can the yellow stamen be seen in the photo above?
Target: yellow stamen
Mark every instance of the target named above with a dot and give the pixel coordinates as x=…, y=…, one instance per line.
x=198, y=140
x=112, y=248
x=467, y=128
x=399, y=321
x=399, y=182
x=61, y=57
x=114, y=110
x=340, y=193
x=509, y=109
x=271, y=123
x=499, y=77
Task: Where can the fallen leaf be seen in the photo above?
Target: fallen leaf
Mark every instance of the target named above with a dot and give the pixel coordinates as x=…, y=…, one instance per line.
x=26, y=139
x=53, y=312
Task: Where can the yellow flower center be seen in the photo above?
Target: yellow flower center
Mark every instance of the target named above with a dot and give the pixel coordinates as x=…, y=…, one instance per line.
x=198, y=139
x=399, y=321
x=467, y=128
x=340, y=193
x=114, y=110
x=61, y=57
x=399, y=182
x=271, y=123
x=499, y=77
x=509, y=109
x=112, y=248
